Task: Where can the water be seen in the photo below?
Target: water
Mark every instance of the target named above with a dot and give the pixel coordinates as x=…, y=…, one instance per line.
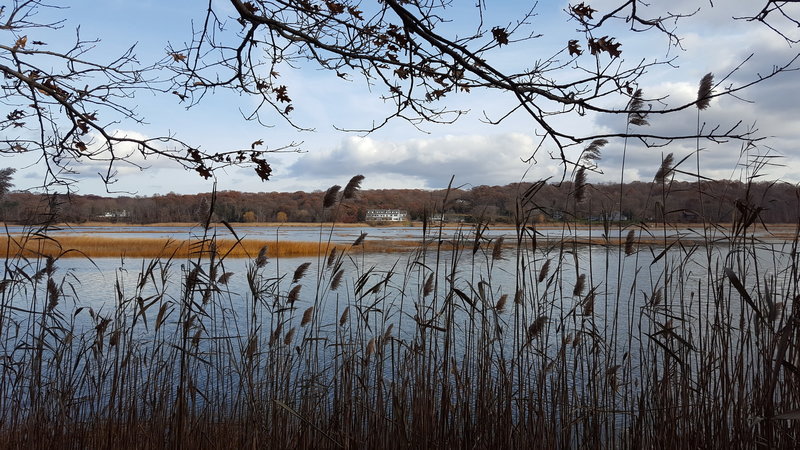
x=626, y=310
x=347, y=234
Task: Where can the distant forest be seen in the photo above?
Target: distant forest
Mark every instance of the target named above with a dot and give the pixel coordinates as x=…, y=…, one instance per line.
x=678, y=201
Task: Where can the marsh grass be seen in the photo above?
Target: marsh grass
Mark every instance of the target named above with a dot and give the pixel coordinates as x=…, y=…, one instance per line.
x=653, y=340
x=104, y=247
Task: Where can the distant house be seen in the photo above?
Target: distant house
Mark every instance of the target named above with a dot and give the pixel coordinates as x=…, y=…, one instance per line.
x=386, y=215
x=120, y=214
x=615, y=216
x=448, y=218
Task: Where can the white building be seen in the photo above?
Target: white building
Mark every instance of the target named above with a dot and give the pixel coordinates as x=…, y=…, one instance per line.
x=386, y=215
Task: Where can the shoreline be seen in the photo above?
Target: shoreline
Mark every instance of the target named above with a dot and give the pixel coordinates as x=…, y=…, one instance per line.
x=418, y=224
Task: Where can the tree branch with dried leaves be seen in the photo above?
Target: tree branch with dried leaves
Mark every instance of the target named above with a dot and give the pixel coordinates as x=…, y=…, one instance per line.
x=67, y=106
x=403, y=48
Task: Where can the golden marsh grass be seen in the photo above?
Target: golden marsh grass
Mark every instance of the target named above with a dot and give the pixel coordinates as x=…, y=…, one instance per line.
x=103, y=247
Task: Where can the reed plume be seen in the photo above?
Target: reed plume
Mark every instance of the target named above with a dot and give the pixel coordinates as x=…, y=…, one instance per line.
x=497, y=249
x=261, y=259
x=580, y=184
x=388, y=333
x=287, y=340
x=636, y=112
x=53, y=294
x=428, y=287
x=629, y=243
x=501, y=303
x=519, y=296
x=224, y=278
x=580, y=283
x=592, y=152
x=293, y=294
x=704, y=91
x=665, y=169
x=337, y=279
x=353, y=186
x=536, y=328
x=655, y=300
x=331, y=258
x=345, y=315
x=359, y=239
x=307, y=315
x=330, y=196
x=276, y=334
x=300, y=272
x=370, y=347
x=587, y=305
x=543, y=272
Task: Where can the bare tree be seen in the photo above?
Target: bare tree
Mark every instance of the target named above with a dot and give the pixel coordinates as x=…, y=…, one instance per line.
x=405, y=48
x=780, y=16
x=64, y=104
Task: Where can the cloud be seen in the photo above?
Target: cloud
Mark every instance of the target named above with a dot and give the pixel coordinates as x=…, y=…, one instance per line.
x=426, y=163
x=127, y=158
x=769, y=109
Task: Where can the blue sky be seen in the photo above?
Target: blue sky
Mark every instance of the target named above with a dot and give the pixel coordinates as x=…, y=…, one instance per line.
x=400, y=156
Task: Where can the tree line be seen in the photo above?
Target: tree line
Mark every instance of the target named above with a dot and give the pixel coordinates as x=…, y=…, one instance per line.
x=676, y=201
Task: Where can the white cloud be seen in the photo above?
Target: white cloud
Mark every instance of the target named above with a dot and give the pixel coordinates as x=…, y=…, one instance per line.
x=426, y=163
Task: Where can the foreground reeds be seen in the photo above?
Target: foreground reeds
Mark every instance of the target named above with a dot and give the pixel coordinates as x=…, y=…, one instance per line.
x=647, y=341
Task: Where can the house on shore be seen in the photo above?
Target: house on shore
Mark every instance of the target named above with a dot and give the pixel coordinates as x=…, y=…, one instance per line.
x=114, y=215
x=386, y=215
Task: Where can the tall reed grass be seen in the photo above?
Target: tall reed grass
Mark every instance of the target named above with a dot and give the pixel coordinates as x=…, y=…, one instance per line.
x=650, y=339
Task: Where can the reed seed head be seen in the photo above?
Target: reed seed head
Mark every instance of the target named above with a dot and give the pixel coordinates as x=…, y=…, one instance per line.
x=636, y=112
x=544, y=270
x=655, y=300
x=704, y=91
x=353, y=186
x=52, y=294
x=592, y=152
x=388, y=333
x=536, y=328
x=370, y=347
x=293, y=294
x=497, y=250
x=225, y=277
x=580, y=283
x=428, y=288
x=665, y=169
x=501, y=303
x=307, y=315
x=629, y=243
x=337, y=279
x=330, y=196
x=287, y=340
x=300, y=272
x=580, y=184
x=359, y=239
x=587, y=305
x=344, y=316
x=331, y=258
x=261, y=259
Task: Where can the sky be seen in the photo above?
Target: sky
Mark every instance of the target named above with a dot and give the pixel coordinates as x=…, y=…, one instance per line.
x=476, y=153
